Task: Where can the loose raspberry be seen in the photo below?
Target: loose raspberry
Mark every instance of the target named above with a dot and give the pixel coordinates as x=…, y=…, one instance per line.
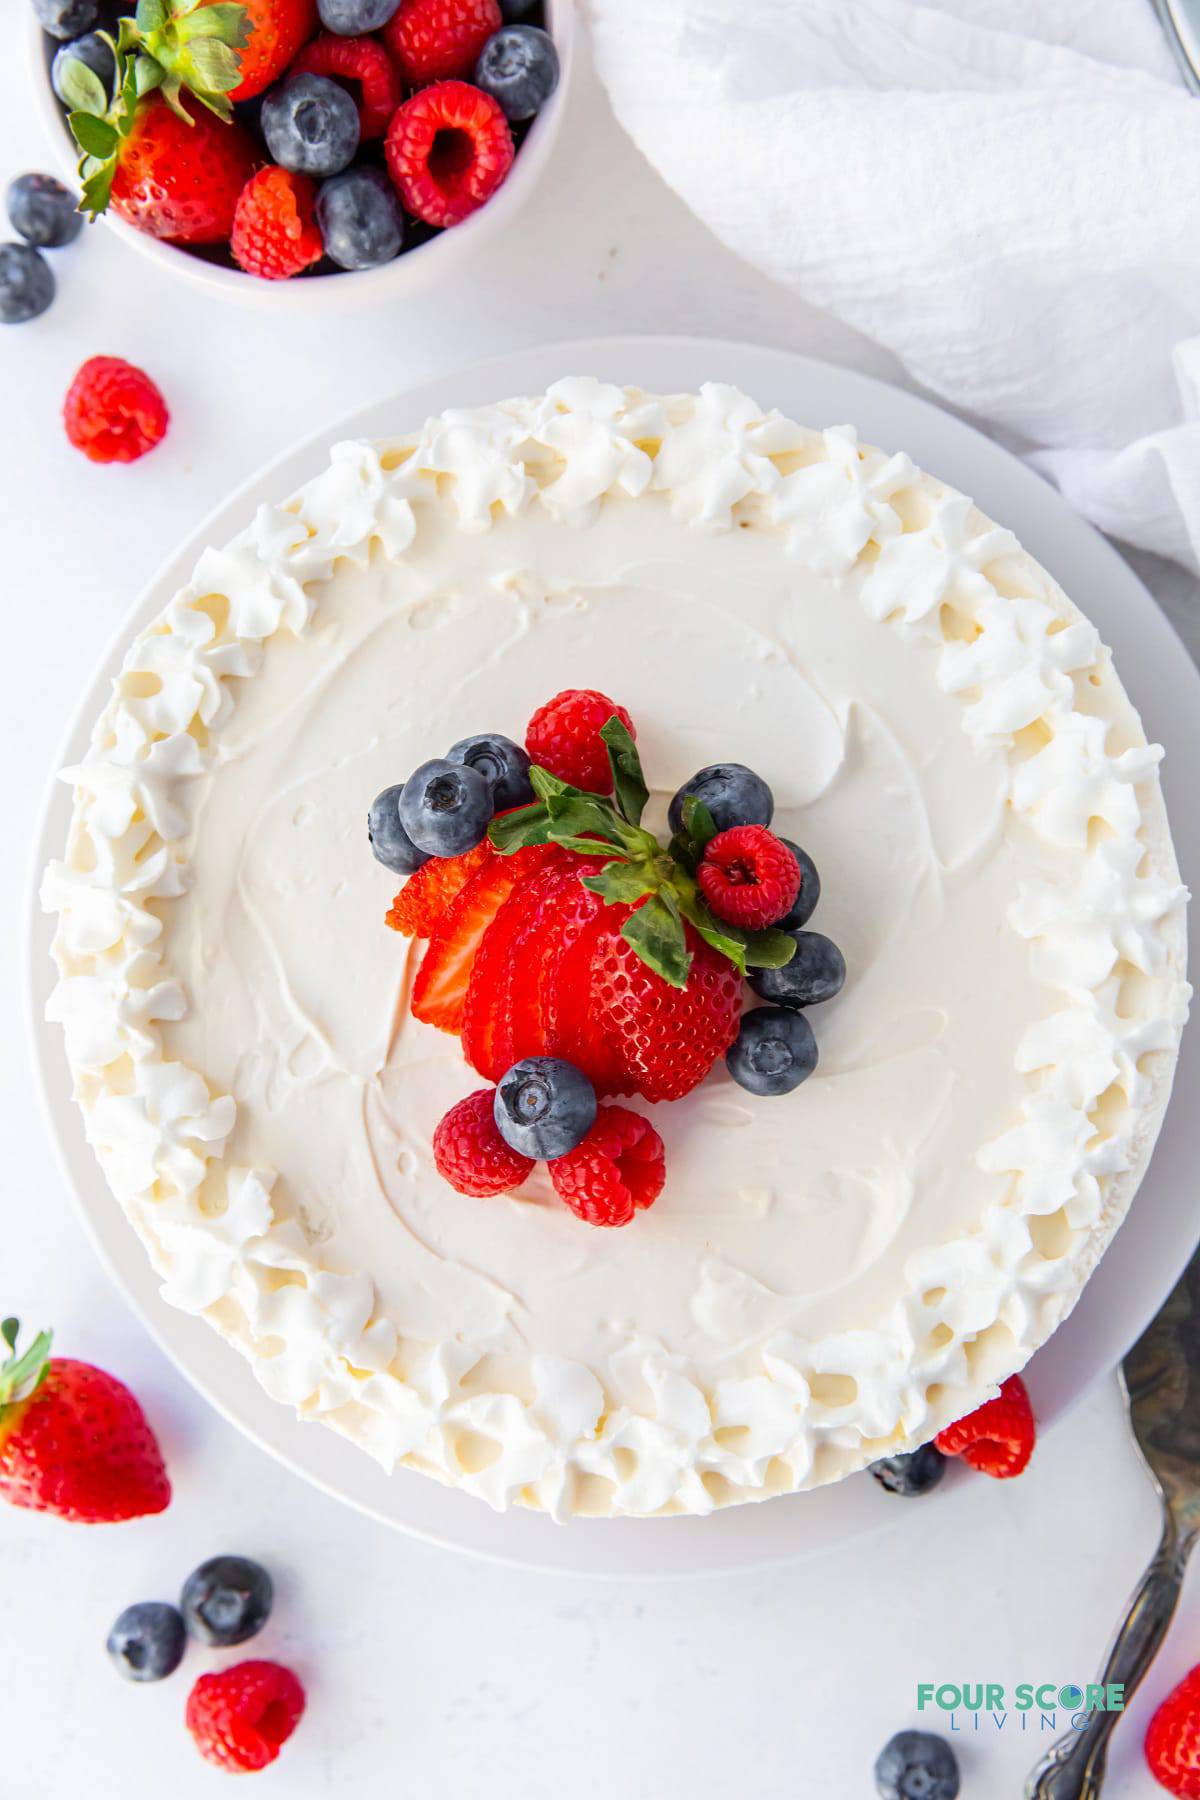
x=617, y=1169
x=425, y=896
x=564, y=737
x=434, y=40
x=748, y=876
x=274, y=227
x=357, y=59
x=240, y=1717
x=998, y=1437
x=470, y=1153
x=1173, y=1740
x=113, y=412
x=448, y=149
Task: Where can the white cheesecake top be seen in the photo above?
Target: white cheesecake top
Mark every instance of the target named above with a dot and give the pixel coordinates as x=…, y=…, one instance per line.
x=828, y=1276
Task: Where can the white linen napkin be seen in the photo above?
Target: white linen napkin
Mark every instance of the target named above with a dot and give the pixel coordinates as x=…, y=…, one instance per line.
x=1004, y=192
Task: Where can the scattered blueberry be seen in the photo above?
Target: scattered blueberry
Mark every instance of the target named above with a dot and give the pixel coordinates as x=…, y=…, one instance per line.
x=518, y=67
x=446, y=808
x=773, y=1052
x=391, y=843
x=147, y=1641
x=311, y=125
x=816, y=972
x=916, y=1765
x=515, y=9
x=544, y=1107
x=66, y=18
x=350, y=17
x=43, y=211
x=911, y=1473
x=90, y=50
x=227, y=1600
x=810, y=890
x=503, y=764
x=27, y=284
x=361, y=220
x=733, y=794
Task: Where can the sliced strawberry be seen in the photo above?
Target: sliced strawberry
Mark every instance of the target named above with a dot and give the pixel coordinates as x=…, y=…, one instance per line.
x=426, y=895
x=578, y=1030
x=536, y=957
x=440, y=990
x=666, y=1038
x=491, y=994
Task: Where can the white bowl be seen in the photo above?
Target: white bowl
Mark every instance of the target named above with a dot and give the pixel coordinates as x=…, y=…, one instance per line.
x=408, y=272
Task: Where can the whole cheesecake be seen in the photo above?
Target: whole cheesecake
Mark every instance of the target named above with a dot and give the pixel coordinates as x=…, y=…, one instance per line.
x=827, y=1276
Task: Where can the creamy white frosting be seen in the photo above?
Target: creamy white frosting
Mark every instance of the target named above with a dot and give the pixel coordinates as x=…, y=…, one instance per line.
x=826, y=1277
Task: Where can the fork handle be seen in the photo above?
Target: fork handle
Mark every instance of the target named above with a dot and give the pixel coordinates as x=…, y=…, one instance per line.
x=1073, y=1767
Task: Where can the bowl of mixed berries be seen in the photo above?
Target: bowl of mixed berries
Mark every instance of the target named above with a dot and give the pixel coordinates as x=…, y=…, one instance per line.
x=240, y=142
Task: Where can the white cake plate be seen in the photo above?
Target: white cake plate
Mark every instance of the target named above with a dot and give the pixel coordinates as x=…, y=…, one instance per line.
x=1149, y=1251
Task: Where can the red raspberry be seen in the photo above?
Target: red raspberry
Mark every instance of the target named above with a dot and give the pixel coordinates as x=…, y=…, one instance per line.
x=113, y=412
x=666, y=1038
x=360, y=59
x=564, y=737
x=434, y=40
x=617, y=1169
x=448, y=149
x=470, y=1153
x=998, y=1437
x=418, y=908
x=1173, y=1740
x=241, y=1716
x=748, y=876
x=274, y=227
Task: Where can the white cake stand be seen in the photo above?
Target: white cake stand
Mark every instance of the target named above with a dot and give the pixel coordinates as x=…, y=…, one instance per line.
x=1150, y=1249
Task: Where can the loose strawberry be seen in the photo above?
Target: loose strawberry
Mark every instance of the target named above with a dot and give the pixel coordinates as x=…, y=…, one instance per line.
x=618, y=1169
x=440, y=990
x=998, y=1437
x=1173, y=1740
x=73, y=1441
x=425, y=896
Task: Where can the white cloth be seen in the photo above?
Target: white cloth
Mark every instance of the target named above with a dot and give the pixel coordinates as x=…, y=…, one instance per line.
x=1004, y=192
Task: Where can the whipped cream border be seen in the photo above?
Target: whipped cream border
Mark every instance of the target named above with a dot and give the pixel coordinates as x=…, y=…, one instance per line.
x=1032, y=676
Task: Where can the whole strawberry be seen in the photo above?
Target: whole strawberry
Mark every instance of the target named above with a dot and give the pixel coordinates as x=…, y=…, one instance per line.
x=73, y=1441
x=172, y=170
x=1173, y=1740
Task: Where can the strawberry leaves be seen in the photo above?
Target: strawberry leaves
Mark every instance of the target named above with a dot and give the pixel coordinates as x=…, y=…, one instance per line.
x=660, y=885
x=21, y=1376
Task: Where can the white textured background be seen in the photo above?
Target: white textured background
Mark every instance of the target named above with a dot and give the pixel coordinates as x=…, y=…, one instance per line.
x=431, y=1676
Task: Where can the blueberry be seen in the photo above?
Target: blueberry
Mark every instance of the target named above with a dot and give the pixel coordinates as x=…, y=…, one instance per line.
x=916, y=1765
x=733, y=794
x=147, y=1641
x=515, y=9
x=227, y=1600
x=391, y=843
x=774, y=1051
x=816, y=972
x=810, y=890
x=311, y=125
x=544, y=1107
x=43, y=211
x=361, y=220
x=445, y=808
x=349, y=17
x=27, y=284
x=503, y=764
x=66, y=18
x=90, y=50
x=911, y=1473
x=518, y=67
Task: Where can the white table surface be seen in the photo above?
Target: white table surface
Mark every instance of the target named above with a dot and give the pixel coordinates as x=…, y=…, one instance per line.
x=431, y=1675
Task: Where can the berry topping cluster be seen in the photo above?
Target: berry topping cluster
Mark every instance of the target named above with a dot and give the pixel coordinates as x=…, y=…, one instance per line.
x=378, y=122
x=577, y=957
